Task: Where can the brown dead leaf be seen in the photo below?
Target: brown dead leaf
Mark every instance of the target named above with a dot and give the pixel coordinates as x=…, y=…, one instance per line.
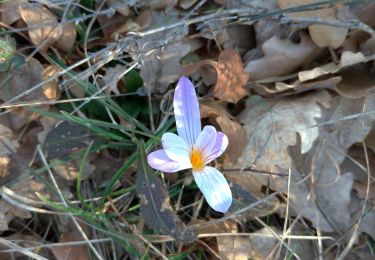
x=110, y=25
x=9, y=11
x=68, y=37
x=121, y=6
x=274, y=146
x=299, y=87
x=231, y=78
x=44, y=29
x=347, y=59
x=111, y=78
x=234, y=247
x=322, y=35
x=162, y=66
x=186, y=4
x=24, y=240
x=21, y=79
x=281, y=57
x=8, y=212
x=237, y=37
x=236, y=135
x=74, y=251
x=235, y=132
x=50, y=89
x=263, y=245
x=356, y=82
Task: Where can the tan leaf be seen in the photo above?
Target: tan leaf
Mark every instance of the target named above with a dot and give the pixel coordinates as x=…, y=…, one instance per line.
x=234, y=247
x=67, y=38
x=281, y=57
x=50, y=89
x=42, y=24
x=9, y=13
x=322, y=35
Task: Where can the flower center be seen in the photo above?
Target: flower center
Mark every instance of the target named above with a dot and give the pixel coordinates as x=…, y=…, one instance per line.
x=196, y=159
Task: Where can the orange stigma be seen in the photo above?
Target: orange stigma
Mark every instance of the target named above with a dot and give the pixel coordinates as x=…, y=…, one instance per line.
x=196, y=159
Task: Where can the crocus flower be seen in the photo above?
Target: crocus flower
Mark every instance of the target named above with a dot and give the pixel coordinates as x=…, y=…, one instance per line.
x=194, y=148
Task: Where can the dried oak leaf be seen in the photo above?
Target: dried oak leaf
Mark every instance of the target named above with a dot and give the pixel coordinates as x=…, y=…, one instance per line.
x=281, y=57
x=231, y=77
x=155, y=207
x=272, y=128
x=43, y=26
x=322, y=35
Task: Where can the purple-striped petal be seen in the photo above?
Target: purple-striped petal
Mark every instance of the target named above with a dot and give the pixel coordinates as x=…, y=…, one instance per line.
x=175, y=147
x=206, y=140
x=160, y=161
x=186, y=111
x=218, y=149
x=214, y=187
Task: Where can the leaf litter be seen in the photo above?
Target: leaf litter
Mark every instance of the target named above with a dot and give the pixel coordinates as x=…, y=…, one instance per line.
x=289, y=82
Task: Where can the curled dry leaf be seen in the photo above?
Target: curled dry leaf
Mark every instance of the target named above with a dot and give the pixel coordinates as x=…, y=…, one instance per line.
x=322, y=35
x=347, y=59
x=231, y=77
x=300, y=87
x=281, y=57
x=155, y=207
x=235, y=132
x=43, y=27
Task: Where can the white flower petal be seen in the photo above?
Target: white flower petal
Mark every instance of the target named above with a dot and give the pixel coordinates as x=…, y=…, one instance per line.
x=186, y=111
x=218, y=149
x=214, y=187
x=160, y=161
x=206, y=140
x=176, y=148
